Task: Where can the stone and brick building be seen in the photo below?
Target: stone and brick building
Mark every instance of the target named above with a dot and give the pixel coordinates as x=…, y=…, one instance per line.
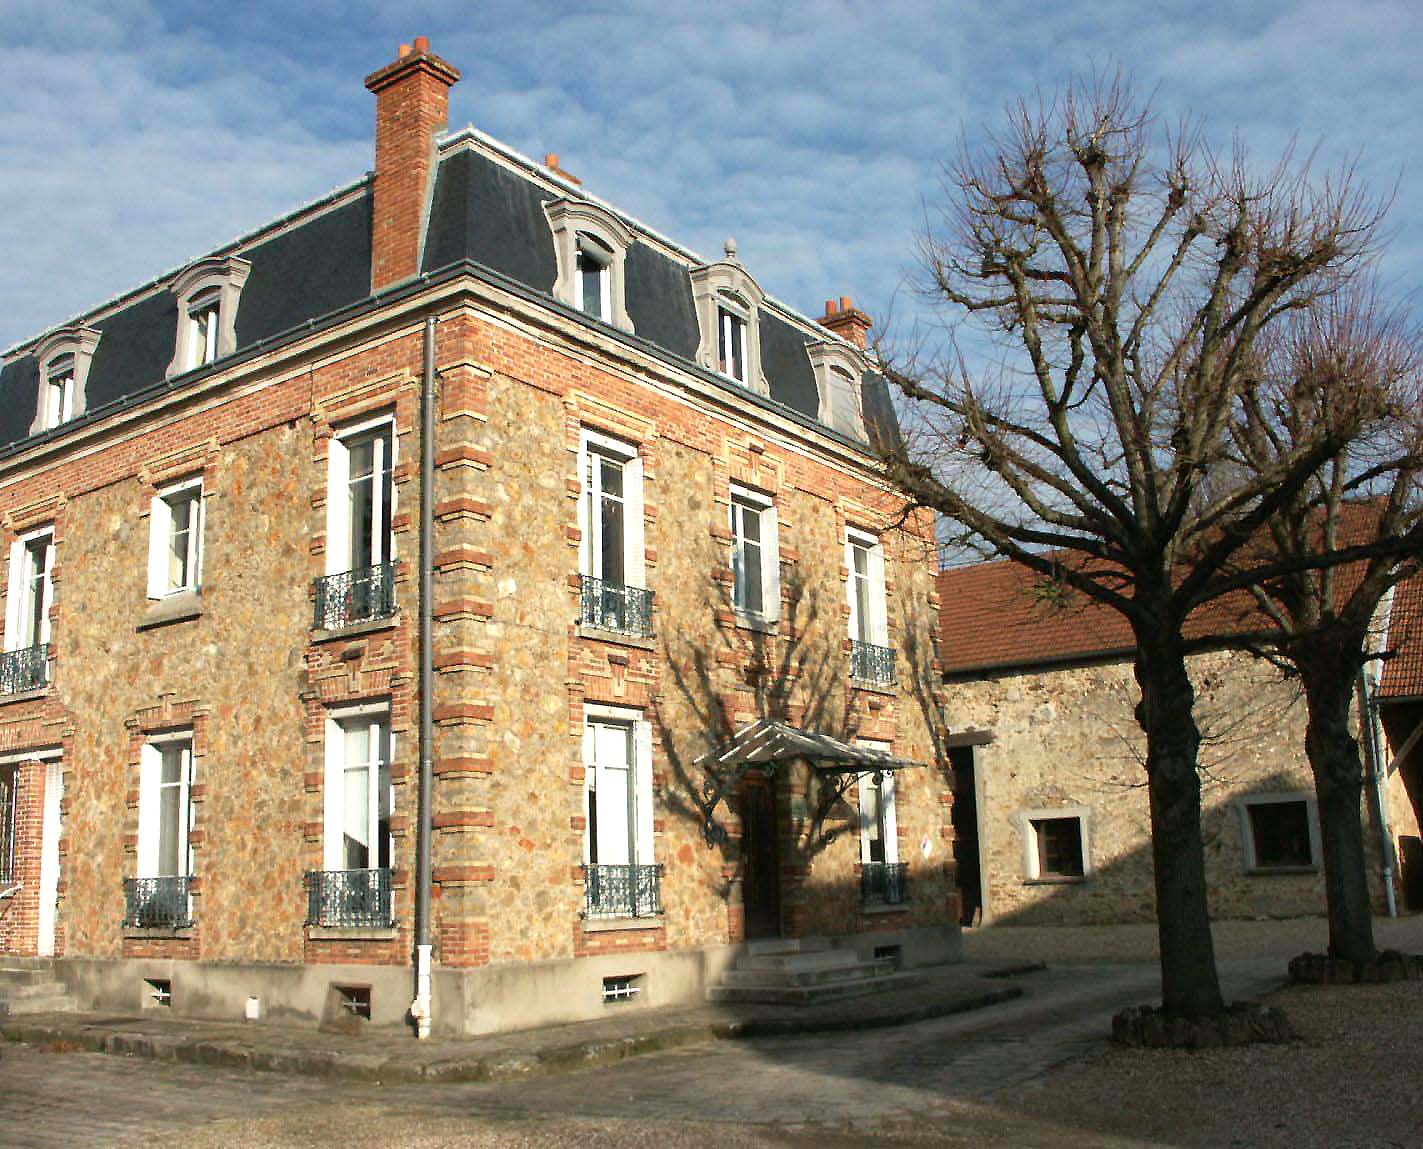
x=1052, y=825
x=657, y=524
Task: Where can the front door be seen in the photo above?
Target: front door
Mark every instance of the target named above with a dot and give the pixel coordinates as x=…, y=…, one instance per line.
x=760, y=869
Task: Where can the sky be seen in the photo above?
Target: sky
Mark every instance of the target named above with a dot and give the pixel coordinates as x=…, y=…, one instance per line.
x=136, y=135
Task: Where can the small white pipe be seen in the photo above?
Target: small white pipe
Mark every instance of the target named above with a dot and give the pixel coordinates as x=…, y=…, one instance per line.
x=420, y=1007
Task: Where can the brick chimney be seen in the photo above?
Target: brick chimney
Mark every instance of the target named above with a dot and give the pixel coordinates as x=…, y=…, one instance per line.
x=847, y=321
x=412, y=106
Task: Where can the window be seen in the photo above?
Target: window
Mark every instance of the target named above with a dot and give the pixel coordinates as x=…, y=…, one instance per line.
x=1280, y=832
x=728, y=303
x=9, y=796
x=590, y=248
x=358, y=792
x=175, y=535
x=838, y=370
x=165, y=813
x=864, y=559
x=621, y=879
x=207, y=296
x=64, y=359
x=1055, y=844
x=611, y=550
x=360, y=498
x=755, y=556
x=731, y=344
x=879, y=840
x=31, y=590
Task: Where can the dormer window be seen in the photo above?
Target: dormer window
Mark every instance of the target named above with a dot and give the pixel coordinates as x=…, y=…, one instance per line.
x=64, y=360
x=838, y=368
x=207, y=311
x=203, y=314
x=728, y=303
x=590, y=246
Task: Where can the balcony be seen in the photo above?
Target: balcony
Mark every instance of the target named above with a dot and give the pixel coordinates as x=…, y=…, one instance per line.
x=349, y=898
x=157, y=903
x=24, y=669
x=872, y=664
x=356, y=596
x=622, y=891
x=884, y=883
x=612, y=606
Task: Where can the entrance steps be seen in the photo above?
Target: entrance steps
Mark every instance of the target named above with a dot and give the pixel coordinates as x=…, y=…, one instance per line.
x=804, y=971
x=25, y=990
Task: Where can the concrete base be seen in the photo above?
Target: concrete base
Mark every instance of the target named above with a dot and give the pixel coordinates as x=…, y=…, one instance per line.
x=467, y=1002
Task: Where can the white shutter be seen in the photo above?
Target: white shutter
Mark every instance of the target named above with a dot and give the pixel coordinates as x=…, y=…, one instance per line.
x=334, y=796
x=879, y=623
x=195, y=538
x=338, y=508
x=642, y=758
x=612, y=794
x=635, y=555
x=891, y=824
x=160, y=526
x=13, y=595
x=770, y=564
x=150, y=767
x=587, y=520
x=46, y=591
x=590, y=770
x=866, y=796
x=850, y=589
x=185, y=811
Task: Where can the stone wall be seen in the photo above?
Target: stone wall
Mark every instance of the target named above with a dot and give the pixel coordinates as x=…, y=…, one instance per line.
x=1067, y=738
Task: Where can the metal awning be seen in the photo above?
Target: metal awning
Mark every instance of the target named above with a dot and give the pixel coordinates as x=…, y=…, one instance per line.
x=769, y=743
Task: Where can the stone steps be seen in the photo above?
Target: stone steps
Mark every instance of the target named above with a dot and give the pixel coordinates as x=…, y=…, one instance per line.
x=812, y=994
x=760, y=977
x=32, y=990
x=804, y=971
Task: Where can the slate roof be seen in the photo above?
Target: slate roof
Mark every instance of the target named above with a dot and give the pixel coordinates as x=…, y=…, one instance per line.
x=484, y=211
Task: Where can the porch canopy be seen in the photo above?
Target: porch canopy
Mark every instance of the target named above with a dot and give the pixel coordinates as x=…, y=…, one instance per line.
x=768, y=743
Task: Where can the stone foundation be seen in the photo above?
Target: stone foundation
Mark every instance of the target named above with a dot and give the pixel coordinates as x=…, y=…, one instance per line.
x=1321, y=969
x=1242, y=1023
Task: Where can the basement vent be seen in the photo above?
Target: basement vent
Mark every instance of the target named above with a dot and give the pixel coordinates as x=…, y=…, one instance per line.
x=157, y=992
x=890, y=953
x=622, y=988
x=355, y=999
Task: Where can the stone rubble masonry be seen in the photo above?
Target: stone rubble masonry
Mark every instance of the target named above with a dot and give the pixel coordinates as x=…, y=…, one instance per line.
x=255, y=684
x=1067, y=737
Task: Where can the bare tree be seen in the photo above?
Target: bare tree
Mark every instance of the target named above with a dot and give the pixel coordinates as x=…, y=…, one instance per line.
x=1352, y=362
x=1125, y=275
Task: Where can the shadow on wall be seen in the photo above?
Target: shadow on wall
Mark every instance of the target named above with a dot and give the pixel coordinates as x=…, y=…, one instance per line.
x=1399, y=721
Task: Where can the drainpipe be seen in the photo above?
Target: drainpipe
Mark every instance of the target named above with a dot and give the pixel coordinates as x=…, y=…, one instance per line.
x=1378, y=782
x=420, y=1008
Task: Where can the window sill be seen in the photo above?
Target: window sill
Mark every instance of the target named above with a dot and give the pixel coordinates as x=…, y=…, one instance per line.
x=757, y=623
x=27, y=695
x=642, y=642
x=869, y=684
x=356, y=629
x=174, y=608
x=609, y=925
x=1056, y=880
x=158, y=933
x=886, y=907
x=352, y=933
x=1280, y=871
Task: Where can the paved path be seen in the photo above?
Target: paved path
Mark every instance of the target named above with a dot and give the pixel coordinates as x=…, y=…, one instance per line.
x=750, y=1092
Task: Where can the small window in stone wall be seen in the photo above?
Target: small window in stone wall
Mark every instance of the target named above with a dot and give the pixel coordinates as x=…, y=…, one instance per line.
x=1280, y=836
x=1059, y=847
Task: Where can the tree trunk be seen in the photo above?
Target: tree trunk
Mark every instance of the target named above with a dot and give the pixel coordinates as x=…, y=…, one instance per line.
x=1190, y=985
x=1339, y=784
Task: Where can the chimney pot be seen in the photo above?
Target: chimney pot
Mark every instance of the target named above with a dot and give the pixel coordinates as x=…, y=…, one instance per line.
x=849, y=323
x=422, y=43
x=830, y=306
x=404, y=50
x=846, y=303
x=551, y=161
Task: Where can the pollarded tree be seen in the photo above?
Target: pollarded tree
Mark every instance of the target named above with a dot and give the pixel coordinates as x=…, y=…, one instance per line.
x=1348, y=360
x=1125, y=275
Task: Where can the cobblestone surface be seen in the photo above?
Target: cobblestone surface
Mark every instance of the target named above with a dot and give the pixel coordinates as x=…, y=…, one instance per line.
x=767, y=1091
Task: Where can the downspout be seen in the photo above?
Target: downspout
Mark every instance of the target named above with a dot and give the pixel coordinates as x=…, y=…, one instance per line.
x=420, y=1008
x=1378, y=782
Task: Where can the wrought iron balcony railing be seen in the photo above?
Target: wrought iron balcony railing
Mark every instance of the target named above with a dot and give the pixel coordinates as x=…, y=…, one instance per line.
x=157, y=903
x=349, y=898
x=621, y=891
x=24, y=669
x=870, y=663
x=884, y=883
x=361, y=595
x=612, y=606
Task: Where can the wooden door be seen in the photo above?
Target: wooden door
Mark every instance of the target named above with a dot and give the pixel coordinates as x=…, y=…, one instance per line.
x=760, y=874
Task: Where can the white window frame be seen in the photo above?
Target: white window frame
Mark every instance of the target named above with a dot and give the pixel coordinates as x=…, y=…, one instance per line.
x=68, y=352
x=572, y=221
x=889, y=821
x=588, y=252
x=1244, y=802
x=592, y=445
x=839, y=373
x=217, y=280
x=1031, y=869
x=875, y=629
x=339, y=550
x=729, y=320
x=725, y=284
x=58, y=390
x=642, y=849
x=745, y=499
x=334, y=798
x=160, y=532
x=18, y=599
x=150, y=791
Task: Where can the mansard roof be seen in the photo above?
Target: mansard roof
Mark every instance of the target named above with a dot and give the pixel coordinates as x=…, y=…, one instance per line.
x=486, y=211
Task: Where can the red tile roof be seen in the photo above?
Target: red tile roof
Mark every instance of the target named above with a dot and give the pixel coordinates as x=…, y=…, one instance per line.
x=1403, y=671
